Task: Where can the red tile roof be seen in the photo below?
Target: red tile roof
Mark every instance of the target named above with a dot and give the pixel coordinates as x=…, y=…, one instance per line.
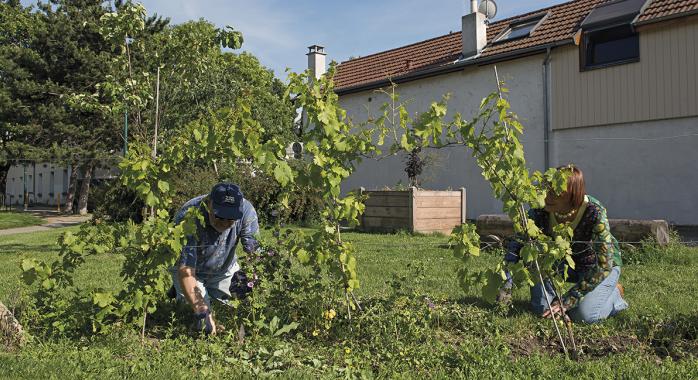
x=559, y=26
x=658, y=10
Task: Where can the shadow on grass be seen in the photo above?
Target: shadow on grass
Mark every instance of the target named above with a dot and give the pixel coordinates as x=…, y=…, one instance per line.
x=24, y=248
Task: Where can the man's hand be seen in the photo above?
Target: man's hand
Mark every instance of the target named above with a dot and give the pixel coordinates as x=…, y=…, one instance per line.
x=205, y=322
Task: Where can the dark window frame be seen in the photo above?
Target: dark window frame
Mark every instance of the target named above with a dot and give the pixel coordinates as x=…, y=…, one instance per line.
x=537, y=19
x=584, y=45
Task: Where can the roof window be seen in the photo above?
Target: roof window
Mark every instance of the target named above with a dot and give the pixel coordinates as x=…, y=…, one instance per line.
x=520, y=28
x=608, y=47
x=608, y=36
x=612, y=13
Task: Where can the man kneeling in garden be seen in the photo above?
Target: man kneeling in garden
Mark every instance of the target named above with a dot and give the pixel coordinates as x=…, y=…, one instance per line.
x=208, y=262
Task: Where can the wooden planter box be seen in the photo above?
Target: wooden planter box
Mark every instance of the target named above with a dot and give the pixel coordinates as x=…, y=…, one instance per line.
x=413, y=210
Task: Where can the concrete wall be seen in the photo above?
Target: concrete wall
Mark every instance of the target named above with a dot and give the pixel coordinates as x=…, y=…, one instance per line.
x=633, y=128
x=44, y=183
x=454, y=168
x=642, y=170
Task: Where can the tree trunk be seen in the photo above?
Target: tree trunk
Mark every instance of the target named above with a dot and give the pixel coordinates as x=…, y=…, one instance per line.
x=4, y=169
x=73, y=184
x=85, y=188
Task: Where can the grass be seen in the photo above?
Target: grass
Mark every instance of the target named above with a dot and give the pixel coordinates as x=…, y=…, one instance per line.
x=16, y=219
x=464, y=337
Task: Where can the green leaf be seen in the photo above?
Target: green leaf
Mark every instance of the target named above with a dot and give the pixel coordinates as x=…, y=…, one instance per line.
x=151, y=200
x=493, y=284
x=163, y=186
x=102, y=299
x=303, y=256
x=283, y=173
x=286, y=329
x=528, y=253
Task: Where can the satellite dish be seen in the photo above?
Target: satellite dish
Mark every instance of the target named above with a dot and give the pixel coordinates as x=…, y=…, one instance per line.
x=488, y=8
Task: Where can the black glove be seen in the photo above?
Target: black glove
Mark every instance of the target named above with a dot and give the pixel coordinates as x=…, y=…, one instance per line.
x=238, y=285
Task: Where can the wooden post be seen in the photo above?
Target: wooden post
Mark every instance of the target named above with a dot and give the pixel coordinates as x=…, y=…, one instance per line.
x=58, y=202
x=362, y=227
x=463, y=208
x=412, y=205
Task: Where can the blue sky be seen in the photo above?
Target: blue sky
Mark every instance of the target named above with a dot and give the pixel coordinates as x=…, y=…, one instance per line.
x=278, y=32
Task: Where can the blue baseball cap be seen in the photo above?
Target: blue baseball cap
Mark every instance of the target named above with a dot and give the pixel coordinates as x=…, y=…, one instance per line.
x=226, y=200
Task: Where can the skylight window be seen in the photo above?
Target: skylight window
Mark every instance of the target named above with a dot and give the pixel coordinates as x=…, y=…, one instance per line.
x=608, y=35
x=520, y=29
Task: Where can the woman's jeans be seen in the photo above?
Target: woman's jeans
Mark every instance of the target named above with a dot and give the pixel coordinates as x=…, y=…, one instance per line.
x=602, y=302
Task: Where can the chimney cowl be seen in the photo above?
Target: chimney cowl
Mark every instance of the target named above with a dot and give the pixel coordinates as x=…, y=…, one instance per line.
x=316, y=49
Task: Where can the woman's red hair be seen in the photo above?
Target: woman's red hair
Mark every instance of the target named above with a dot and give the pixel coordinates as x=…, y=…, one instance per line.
x=575, y=185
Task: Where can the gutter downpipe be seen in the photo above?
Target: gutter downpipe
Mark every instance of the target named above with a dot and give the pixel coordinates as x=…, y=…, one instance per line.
x=546, y=109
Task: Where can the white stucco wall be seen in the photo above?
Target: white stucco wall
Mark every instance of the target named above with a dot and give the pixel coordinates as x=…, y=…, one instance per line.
x=44, y=182
x=454, y=167
x=38, y=182
x=643, y=170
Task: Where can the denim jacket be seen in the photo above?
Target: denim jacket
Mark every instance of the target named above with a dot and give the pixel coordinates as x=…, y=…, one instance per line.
x=210, y=253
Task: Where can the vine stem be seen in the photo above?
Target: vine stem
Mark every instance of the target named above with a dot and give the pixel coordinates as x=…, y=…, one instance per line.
x=550, y=307
x=145, y=315
x=568, y=328
x=524, y=225
x=524, y=221
x=346, y=292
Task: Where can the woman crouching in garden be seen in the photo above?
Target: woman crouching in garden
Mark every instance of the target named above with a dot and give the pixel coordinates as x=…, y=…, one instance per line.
x=596, y=293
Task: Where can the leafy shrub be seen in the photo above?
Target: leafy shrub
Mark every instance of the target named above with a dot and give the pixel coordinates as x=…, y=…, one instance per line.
x=115, y=202
x=263, y=191
x=651, y=252
x=190, y=182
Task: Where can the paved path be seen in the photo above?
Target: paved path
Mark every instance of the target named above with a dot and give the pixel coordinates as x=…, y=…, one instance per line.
x=53, y=220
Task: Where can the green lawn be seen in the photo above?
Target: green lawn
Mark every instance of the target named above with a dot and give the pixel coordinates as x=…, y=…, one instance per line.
x=16, y=219
x=462, y=338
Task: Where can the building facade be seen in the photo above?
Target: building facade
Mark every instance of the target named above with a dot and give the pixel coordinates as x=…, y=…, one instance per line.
x=44, y=184
x=611, y=86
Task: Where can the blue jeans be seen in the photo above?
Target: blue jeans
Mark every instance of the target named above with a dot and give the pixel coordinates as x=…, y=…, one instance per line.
x=217, y=287
x=602, y=302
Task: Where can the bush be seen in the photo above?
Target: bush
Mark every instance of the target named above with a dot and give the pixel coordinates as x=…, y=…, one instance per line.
x=190, y=182
x=263, y=191
x=651, y=252
x=115, y=202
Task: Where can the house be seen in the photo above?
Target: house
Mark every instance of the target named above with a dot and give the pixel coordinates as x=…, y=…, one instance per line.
x=611, y=86
x=44, y=183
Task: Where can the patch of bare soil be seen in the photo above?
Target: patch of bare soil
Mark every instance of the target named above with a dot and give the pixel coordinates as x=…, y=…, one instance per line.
x=522, y=347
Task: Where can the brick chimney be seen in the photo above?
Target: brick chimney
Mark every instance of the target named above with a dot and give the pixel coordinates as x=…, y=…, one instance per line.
x=316, y=60
x=474, y=31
